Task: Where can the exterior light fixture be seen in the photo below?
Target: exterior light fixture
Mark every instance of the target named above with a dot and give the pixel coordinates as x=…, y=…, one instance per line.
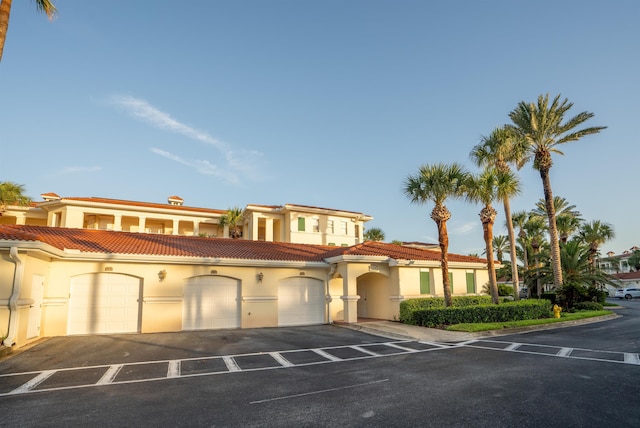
x=162, y=275
x=260, y=276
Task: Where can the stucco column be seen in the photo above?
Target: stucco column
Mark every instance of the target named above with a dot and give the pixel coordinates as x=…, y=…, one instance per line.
x=255, y=222
x=268, y=230
x=176, y=225
x=350, y=297
x=142, y=224
x=117, y=222
x=196, y=228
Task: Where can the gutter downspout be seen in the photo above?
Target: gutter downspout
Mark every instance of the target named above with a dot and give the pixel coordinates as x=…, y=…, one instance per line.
x=13, y=300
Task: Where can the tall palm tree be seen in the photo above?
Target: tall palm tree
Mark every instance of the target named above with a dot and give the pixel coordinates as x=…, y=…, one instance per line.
x=567, y=225
x=374, y=234
x=483, y=188
x=12, y=194
x=501, y=149
x=543, y=127
x=560, y=205
x=594, y=234
x=535, y=228
x=45, y=6
x=233, y=219
x=436, y=183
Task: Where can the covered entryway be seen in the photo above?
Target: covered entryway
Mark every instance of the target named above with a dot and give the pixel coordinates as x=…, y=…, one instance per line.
x=374, y=301
x=103, y=303
x=211, y=302
x=301, y=301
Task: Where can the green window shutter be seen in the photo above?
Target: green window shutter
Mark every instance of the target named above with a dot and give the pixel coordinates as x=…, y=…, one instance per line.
x=425, y=283
x=451, y=281
x=300, y=224
x=471, y=283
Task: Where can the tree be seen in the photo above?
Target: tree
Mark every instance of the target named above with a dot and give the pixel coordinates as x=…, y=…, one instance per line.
x=543, y=127
x=501, y=149
x=45, y=6
x=535, y=229
x=436, y=183
x=12, y=194
x=374, y=234
x=500, y=246
x=233, y=220
x=594, y=234
x=489, y=186
x=560, y=205
x=567, y=225
x=634, y=261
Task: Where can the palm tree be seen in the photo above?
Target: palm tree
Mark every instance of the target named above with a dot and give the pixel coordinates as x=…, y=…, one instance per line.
x=543, y=127
x=560, y=205
x=233, y=219
x=567, y=225
x=45, y=6
x=595, y=233
x=500, y=149
x=535, y=228
x=12, y=194
x=500, y=246
x=374, y=234
x=435, y=183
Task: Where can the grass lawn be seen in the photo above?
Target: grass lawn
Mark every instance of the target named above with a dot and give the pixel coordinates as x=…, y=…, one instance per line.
x=470, y=328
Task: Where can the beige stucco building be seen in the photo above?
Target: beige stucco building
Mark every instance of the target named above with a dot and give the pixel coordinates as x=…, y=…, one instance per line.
x=60, y=279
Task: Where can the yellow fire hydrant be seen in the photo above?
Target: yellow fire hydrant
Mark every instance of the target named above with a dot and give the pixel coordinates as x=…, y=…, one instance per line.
x=556, y=311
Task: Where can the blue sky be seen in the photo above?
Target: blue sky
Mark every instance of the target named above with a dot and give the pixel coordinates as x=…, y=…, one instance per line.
x=328, y=103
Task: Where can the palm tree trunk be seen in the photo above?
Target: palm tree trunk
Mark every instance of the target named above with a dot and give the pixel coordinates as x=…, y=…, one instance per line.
x=488, y=238
x=512, y=247
x=553, y=230
x=5, y=11
x=443, y=239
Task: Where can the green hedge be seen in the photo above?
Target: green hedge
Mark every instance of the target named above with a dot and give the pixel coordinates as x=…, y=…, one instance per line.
x=409, y=306
x=509, y=311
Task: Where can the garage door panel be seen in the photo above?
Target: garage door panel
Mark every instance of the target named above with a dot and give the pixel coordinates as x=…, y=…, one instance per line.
x=104, y=303
x=300, y=302
x=211, y=303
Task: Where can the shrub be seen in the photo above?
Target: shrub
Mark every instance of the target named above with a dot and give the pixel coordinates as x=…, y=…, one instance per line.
x=505, y=290
x=407, y=307
x=510, y=311
x=588, y=306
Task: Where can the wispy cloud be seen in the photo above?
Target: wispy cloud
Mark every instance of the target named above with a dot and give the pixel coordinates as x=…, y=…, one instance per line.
x=79, y=169
x=242, y=163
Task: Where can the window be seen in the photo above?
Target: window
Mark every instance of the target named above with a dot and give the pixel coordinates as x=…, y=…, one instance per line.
x=471, y=282
x=315, y=224
x=330, y=227
x=425, y=282
x=343, y=227
x=301, y=226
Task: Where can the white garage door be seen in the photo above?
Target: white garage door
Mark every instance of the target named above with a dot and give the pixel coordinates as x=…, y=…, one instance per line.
x=211, y=302
x=300, y=301
x=104, y=303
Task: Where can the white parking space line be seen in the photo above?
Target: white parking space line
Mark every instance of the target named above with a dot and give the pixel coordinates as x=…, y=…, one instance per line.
x=231, y=364
x=326, y=355
x=33, y=382
x=282, y=360
x=564, y=352
x=513, y=347
x=401, y=347
x=364, y=350
x=631, y=358
x=174, y=368
x=110, y=374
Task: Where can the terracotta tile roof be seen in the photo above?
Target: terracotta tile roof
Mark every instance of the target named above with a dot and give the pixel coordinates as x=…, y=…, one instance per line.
x=109, y=242
x=627, y=275
x=143, y=204
x=398, y=252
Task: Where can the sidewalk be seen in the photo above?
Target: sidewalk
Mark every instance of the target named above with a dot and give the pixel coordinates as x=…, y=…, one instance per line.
x=397, y=330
